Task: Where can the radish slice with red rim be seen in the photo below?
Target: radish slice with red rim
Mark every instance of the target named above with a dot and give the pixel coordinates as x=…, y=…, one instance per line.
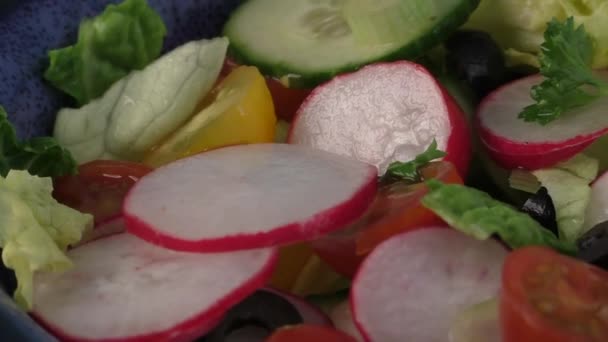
x=382, y=113
x=513, y=143
x=412, y=286
x=124, y=289
x=248, y=196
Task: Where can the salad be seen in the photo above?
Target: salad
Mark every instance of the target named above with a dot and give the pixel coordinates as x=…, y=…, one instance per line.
x=338, y=170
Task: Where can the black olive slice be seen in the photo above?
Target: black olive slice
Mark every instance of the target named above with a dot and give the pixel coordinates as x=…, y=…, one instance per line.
x=593, y=245
x=261, y=314
x=540, y=207
x=473, y=56
x=8, y=280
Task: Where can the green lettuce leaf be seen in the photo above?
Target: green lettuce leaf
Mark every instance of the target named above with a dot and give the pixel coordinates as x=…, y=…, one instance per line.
x=518, y=25
x=41, y=156
x=138, y=112
x=568, y=186
x=35, y=230
x=476, y=213
x=125, y=37
x=581, y=166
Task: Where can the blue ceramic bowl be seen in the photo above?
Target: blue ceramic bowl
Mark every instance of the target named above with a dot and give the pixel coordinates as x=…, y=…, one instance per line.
x=28, y=29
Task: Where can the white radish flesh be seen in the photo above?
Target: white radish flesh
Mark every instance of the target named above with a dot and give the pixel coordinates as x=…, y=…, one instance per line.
x=248, y=196
x=412, y=286
x=513, y=143
x=124, y=289
x=383, y=113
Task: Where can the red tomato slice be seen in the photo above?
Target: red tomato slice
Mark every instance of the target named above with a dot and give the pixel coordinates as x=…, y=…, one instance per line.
x=396, y=209
x=99, y=187
x=547, y=296
x=286, y=100
x=308, y=333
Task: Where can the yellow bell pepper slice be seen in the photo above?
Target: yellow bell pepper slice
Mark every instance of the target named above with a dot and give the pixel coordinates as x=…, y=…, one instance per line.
x=292, y=259
x=238, y=111
x=301, y=272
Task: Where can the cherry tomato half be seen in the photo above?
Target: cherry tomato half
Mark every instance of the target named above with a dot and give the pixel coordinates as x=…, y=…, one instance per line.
x=99, y=187
x=286, y=100
x=547, y=296
x=308, y=333
x=396, y=209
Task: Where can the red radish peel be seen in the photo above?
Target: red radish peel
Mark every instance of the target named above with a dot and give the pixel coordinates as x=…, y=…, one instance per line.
x=248, y=196
x=411, y=286
x=459, y=145
x=512, y=142
x=124, y=289
x=383, y=113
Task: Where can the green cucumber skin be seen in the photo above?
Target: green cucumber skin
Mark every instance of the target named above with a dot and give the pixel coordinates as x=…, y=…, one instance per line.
x=306, y=80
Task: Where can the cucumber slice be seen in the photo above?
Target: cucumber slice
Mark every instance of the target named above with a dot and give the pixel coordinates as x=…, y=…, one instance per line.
x=306, y=42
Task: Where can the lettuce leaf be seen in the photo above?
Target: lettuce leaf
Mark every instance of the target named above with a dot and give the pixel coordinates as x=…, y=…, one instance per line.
x=581, y=166
x=41, y=156
x=125, y=37
x=568, y=185
x=476, y=213
x=518, y=25
x=143, y=108
x=35, y=230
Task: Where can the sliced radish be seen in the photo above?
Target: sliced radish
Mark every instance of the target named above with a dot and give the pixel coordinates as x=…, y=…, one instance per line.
x=310, y=314
x=597, y=211
x=412, y=286
x=514, y=143
x=383, y=113
x=112, y=226
x=124, y=289
x=248, y=196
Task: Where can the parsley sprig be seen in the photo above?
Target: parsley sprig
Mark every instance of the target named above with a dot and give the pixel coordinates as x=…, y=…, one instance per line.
x=41, y=156
x=570, y=82
x=409, y=171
